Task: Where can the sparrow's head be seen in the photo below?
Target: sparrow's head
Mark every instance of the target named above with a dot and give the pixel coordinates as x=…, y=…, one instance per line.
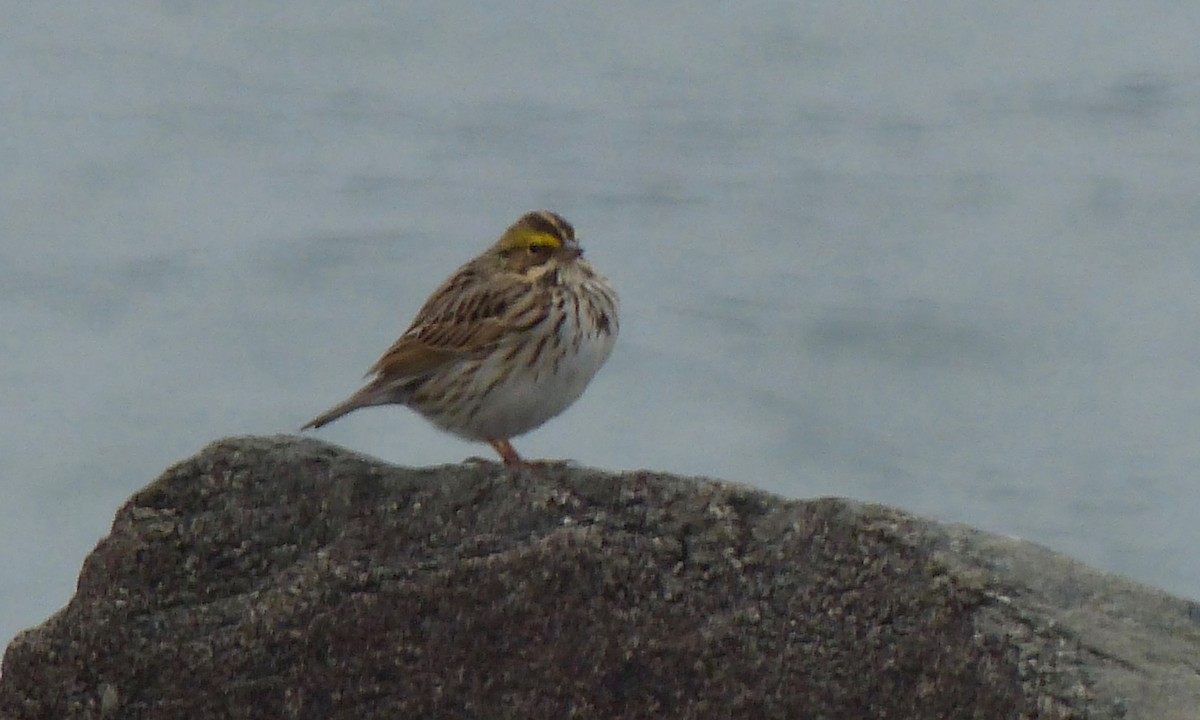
x=536, y=238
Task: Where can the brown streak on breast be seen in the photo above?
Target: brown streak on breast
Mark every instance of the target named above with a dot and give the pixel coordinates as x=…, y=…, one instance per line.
x=578, y=323
x=539, y=316
x=537, y=351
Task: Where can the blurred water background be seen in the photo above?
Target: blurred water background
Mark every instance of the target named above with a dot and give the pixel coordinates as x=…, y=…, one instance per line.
x=936, y=254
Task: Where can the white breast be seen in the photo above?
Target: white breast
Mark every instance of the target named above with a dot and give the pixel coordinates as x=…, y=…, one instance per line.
x=536, y=385
x=531, y=395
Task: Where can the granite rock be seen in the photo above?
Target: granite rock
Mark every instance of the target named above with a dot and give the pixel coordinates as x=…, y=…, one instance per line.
x=288, y=578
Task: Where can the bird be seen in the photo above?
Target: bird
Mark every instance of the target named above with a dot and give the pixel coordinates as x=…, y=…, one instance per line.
x=507, y=342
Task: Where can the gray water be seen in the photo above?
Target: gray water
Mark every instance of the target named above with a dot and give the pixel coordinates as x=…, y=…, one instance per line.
x=936, y=254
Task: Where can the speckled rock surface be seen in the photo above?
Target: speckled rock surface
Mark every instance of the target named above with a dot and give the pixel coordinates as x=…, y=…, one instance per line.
x=281, y=577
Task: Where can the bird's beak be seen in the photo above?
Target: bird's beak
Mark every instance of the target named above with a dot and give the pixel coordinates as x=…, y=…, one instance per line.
x=571, y=249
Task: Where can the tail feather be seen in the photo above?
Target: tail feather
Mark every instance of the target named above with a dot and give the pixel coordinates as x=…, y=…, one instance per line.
x=363, y=398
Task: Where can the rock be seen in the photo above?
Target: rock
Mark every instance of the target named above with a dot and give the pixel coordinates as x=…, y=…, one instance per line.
x=284, y=577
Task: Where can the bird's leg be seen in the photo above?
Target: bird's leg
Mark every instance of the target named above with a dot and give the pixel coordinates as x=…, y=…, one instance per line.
x=507, y=453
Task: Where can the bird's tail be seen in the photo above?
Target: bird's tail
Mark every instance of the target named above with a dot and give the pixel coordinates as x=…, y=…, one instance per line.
x=363, y=398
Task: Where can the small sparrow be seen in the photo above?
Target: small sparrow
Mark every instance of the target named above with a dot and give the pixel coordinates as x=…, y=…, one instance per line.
x=509, y=341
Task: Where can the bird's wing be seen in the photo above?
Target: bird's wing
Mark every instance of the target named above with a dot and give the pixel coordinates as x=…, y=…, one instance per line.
x=463, y=317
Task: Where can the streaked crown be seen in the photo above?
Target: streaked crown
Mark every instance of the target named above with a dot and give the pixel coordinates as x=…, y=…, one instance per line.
x=538, y=229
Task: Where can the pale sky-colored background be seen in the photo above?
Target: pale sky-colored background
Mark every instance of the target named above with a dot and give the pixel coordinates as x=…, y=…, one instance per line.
x=933, y=254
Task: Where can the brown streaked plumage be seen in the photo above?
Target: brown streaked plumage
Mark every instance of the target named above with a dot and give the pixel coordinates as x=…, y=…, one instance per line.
x=507, y=342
